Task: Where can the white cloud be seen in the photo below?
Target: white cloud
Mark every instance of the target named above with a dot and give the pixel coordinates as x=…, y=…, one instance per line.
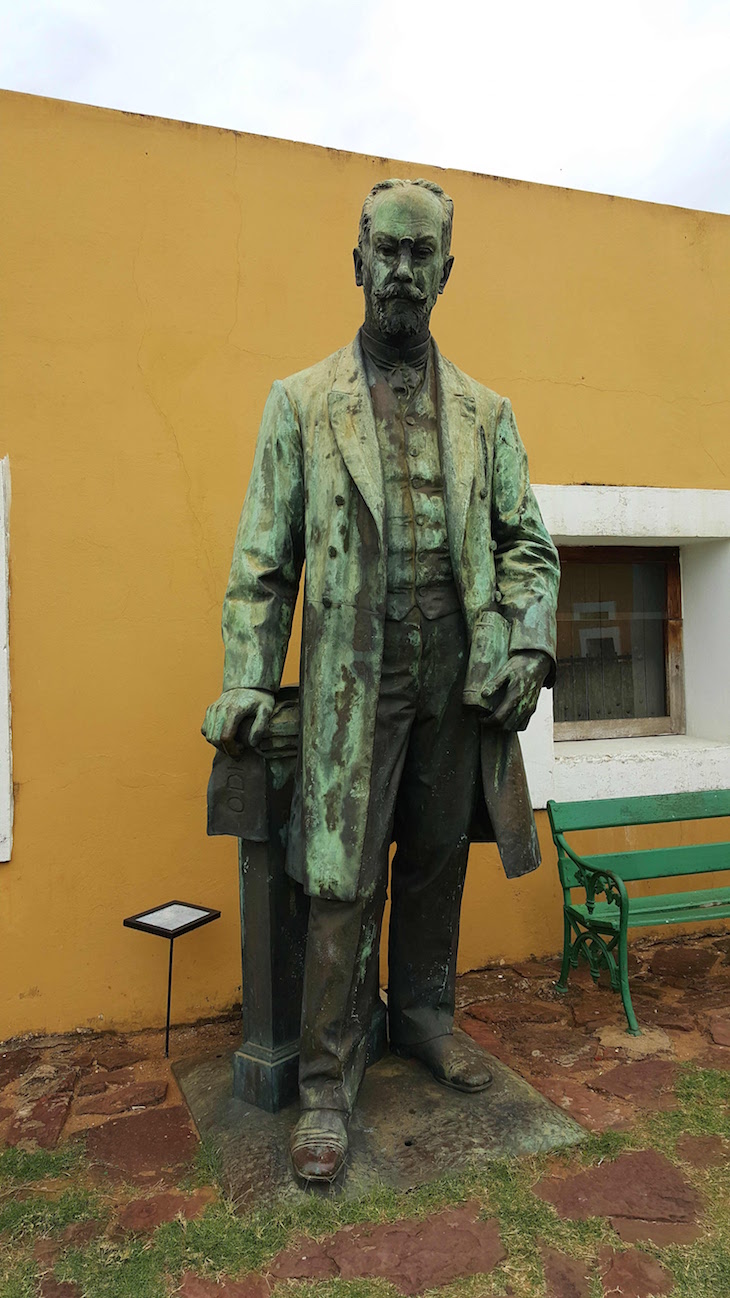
x=630, y=98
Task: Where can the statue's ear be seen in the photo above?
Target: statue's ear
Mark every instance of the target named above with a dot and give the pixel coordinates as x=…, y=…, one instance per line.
x=357, y=258
x=446, y=272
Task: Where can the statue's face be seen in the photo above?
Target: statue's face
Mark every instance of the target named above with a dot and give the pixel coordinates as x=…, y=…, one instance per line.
x=402, y=268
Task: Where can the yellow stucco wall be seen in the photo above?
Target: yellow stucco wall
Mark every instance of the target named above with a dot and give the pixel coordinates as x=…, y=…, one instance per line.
x=156, y=277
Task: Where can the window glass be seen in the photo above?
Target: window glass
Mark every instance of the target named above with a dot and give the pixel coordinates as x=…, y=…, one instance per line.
x=612, y=637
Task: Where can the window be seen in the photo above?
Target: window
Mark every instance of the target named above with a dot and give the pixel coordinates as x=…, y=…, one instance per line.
x=619, y=643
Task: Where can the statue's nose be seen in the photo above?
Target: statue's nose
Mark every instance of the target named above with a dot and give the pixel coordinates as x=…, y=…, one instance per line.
x=404, y=269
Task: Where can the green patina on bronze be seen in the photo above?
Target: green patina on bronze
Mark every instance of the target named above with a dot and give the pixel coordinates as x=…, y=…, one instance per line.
x=316, y=490
x=479, y=563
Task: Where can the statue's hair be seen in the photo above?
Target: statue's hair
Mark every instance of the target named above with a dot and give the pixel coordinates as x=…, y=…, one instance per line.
x=447, y=207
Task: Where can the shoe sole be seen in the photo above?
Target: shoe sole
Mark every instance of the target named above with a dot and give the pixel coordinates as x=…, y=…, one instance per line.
x=318, y=1180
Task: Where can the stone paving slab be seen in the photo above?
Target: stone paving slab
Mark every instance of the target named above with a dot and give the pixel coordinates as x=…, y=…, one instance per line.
x=413, y=1255
x=407, y=1129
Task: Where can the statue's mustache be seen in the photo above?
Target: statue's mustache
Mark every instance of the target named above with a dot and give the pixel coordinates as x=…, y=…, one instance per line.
x=404, y=292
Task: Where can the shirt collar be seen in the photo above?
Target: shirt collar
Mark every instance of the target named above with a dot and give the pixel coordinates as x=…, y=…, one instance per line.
x=387, y=357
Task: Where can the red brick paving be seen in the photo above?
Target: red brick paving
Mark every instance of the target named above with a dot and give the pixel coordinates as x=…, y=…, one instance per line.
x=52, y=1288
x=703, y=1151
x=137, y=1095
x=95, y=1083
x=39, y=1123
x=154, y=1145
x=565, y=1277
x=642, y=1184
x=661, y=1233
x=592, y=1111
x=141, y=1216
x=412, y=1255
x=678, y=963
x=47, y=1079
x=13, y=1063
x=112, y=1055
x=507, y=1011
x=633, y=1275
x=645, y=1082
x=720, y=1029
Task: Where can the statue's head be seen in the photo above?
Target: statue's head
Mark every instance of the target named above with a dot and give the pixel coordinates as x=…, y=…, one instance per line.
x=402, y=260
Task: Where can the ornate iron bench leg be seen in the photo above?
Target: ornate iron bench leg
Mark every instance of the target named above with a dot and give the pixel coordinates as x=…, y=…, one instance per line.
x=623, y=965
x=562, y=983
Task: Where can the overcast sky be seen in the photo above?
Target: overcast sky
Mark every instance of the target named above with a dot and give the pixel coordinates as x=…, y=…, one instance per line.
x=629, y=97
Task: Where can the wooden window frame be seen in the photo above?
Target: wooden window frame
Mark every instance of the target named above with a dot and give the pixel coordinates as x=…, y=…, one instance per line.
x=674, y=723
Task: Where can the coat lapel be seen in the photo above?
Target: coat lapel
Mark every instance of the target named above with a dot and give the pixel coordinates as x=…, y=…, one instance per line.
x=353, y=424
x=457, y=424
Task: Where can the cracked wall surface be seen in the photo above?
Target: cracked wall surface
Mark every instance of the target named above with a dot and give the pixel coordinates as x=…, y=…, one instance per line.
x=158, y=276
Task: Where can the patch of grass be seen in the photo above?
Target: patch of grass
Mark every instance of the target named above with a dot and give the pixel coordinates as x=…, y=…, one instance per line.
x=605, y=1146
x=207, y=1168
x=703, y=1095
x=18, y=1280
x=20, y=1165
x=129, y=1271
x=37, y=1215
x=703, y=1269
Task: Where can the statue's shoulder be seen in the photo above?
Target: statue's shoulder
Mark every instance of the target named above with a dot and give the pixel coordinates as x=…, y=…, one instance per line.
x=306, y=384
x=486, y=399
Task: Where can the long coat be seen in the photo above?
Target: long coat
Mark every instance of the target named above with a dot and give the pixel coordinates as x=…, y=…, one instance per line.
x=316, y=494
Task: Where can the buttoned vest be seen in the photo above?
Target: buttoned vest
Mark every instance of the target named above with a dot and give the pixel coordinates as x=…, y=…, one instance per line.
x=419, y=569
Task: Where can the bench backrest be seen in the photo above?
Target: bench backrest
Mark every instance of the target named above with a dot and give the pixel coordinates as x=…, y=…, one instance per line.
x=651, y=863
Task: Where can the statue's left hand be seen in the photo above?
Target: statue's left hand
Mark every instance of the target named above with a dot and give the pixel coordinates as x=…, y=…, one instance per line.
x=511, y=697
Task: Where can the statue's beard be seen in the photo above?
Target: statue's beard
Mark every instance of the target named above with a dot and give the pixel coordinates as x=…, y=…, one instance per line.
x=401, y=312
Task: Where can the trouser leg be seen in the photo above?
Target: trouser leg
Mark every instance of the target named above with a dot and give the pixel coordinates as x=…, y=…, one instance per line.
x=433, y=815
x=340, y=986
x=343, y=938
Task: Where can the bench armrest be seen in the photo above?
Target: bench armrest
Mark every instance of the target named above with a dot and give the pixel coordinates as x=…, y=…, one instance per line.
x=596, y=880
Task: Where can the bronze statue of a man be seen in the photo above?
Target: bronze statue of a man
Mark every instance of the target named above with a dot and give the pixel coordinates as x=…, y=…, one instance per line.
x=429, y=631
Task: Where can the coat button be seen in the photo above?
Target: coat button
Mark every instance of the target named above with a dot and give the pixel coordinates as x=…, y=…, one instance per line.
x=326, y=601
x=410, y=420
x=498, y=597
x=339, y=500
x=492, y=545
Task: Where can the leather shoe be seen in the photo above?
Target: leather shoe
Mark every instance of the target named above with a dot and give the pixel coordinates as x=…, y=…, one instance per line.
x=319, y=1144
x=453, y=1060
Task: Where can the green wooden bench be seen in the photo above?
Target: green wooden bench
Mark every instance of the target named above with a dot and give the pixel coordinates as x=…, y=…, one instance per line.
x=598, y=930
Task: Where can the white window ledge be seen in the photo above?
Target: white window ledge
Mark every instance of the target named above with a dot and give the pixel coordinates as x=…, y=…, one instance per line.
x=613, y=768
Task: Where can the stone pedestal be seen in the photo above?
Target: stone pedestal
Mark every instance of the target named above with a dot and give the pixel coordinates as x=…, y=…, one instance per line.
x=251, y=799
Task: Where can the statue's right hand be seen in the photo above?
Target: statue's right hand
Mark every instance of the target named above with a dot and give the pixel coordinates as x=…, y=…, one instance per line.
x=225, y=716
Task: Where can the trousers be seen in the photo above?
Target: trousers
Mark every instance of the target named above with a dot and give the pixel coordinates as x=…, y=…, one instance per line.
x=422, y=795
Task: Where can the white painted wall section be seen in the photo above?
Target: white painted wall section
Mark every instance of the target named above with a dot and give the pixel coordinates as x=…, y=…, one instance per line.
x=699, y=523
x=594, y=515
x=706, y=617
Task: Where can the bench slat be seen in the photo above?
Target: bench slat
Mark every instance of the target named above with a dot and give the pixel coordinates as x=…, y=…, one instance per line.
x=606, y=813
x=672, y=908
x=657, y=863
